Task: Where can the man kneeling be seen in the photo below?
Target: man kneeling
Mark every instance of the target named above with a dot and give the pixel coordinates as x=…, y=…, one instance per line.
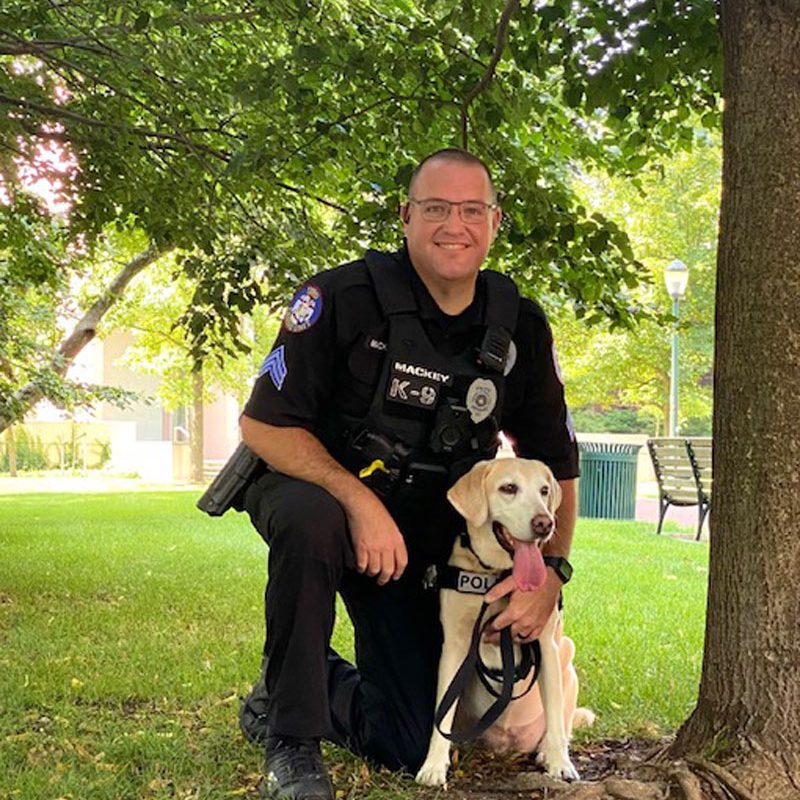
x=390, y=378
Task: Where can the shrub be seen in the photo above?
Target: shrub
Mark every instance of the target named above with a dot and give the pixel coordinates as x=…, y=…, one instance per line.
x=616, y=419
x=30, y=453
x=696, y=426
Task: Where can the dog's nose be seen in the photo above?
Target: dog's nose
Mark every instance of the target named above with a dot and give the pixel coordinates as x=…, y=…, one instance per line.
x=542, y=525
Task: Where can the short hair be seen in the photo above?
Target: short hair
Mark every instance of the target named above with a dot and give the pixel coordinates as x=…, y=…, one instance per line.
x=458, y=155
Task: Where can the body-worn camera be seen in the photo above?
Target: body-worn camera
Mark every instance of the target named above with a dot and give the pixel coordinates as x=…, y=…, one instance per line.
x=452, y=429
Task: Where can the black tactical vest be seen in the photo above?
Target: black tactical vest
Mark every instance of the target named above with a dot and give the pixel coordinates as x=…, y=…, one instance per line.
x=432, y=416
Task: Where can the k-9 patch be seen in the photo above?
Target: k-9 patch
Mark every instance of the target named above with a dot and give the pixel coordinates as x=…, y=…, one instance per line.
x=304, y=310
x=415, y=385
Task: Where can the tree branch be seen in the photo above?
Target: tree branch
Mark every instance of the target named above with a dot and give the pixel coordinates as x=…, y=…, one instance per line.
x=322, y=200
x=165, y=336
x=511, y=8
x=358, y=113
x=63, y=113
x=83, y=333
x=107, y=50
x=30, y=47
x=57, y=63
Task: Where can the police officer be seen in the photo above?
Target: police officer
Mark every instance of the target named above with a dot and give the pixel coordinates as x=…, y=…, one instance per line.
x=390, y=377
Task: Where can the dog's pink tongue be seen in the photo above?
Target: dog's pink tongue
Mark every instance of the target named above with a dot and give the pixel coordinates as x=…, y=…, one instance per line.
x=529, y=571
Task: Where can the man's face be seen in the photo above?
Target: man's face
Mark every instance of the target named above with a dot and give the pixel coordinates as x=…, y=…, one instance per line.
x=450, y=250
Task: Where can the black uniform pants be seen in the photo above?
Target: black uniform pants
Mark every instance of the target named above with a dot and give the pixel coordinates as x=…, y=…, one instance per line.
x=383, y=710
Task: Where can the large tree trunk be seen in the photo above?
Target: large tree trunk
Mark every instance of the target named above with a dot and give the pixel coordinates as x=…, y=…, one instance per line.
x=196, y=426
x=748, y=712
x=83, y=333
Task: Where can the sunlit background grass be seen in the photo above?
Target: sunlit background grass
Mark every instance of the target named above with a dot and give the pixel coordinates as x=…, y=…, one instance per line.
x=131, y=624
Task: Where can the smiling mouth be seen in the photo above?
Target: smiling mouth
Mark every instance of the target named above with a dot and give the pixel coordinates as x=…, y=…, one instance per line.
x=451, y=246
x=504, y=538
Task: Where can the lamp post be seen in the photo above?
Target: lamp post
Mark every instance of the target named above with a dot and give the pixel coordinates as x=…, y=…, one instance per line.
x=676, y=277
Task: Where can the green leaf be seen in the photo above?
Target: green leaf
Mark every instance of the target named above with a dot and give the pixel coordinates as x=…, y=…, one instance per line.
x=573, y=94
x=494, y=117
x=141, y=22
x=550, y=14
x=660, y=70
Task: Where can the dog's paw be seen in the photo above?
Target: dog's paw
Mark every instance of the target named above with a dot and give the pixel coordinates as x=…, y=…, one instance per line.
x=432, y=774
x=556, y=762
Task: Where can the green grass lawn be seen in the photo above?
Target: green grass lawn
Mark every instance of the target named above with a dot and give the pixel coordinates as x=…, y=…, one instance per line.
x=131, y=624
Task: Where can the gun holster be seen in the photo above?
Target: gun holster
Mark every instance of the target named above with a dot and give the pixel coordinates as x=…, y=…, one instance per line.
x=227, y=489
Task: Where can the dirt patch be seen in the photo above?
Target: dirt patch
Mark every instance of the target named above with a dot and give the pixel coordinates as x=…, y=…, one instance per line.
x=480, y=774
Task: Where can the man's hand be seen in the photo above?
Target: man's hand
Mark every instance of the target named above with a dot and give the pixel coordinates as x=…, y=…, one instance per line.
x=379, y=546
x=527, y=612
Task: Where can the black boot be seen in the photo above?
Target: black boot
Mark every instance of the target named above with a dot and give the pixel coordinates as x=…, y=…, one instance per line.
x=294, y=770
x=253, y=711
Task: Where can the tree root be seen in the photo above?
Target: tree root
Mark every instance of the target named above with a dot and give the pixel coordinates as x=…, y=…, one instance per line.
x=688, y=781
x=677, y=772
x=724, y=777
x=659, y=776
x=687, y=775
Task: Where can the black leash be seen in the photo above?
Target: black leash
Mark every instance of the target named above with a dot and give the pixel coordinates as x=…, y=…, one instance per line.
x=508, y=674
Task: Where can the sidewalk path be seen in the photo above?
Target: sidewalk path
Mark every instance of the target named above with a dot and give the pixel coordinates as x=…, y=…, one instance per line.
x=58, y=484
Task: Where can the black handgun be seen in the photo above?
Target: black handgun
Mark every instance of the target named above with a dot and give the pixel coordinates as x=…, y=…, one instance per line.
x=227, y=489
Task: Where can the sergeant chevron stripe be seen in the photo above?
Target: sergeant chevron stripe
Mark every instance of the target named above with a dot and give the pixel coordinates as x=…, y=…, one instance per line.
x=275, y=366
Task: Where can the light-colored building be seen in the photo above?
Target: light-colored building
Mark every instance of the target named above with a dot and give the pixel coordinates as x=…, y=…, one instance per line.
x=144, y=439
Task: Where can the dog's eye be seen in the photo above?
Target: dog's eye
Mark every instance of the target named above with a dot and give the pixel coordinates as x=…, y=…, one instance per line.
x=545, y=491
x=509, y=489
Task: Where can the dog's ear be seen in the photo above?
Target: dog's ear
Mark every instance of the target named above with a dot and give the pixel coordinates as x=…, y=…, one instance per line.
x=468, y=494
x=554, y=498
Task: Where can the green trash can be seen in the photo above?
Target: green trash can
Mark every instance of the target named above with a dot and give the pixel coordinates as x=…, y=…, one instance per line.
x=607, y=487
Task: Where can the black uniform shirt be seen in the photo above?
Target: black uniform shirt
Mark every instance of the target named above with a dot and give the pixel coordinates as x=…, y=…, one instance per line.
x=330, y=349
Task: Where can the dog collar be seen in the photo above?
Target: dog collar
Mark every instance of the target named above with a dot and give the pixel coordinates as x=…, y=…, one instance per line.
x=466, y=543
x=560, y=565
x=444, y=576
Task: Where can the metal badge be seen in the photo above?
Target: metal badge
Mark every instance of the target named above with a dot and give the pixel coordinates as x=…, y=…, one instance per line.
x=481, y=399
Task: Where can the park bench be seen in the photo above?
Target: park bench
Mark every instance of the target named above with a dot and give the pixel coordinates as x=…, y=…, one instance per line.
x=683, y=470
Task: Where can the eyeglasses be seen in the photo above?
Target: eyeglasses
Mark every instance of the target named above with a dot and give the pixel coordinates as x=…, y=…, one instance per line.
x=470, y=211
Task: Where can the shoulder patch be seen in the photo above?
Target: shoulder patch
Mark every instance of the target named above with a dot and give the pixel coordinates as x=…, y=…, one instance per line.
x=304, y=309
x=275, y=366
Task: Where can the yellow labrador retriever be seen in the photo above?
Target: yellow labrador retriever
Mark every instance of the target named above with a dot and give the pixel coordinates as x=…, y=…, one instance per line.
x=509, y=505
